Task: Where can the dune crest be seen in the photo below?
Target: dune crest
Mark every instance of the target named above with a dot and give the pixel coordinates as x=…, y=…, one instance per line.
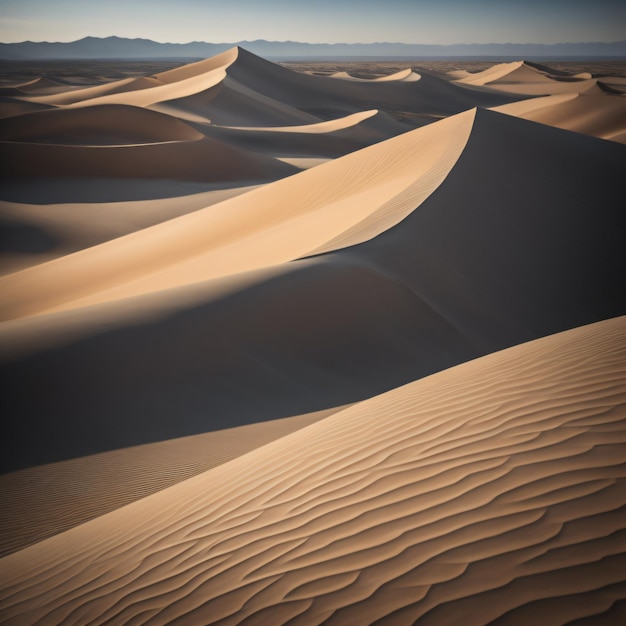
x=329, y=126
x=407, y=75
x=415, y=505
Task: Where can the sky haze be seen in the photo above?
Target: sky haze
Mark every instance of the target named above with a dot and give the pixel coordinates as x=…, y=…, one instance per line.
x=322, y=21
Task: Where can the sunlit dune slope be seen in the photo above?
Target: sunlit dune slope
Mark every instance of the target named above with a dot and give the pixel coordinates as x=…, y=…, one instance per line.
x=592, y=112
x=493, y=491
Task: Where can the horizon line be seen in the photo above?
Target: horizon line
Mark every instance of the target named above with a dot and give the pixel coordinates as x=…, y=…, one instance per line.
x=308, y=43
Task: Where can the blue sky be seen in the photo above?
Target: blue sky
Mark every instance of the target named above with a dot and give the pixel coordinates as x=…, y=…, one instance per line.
x=331, y=21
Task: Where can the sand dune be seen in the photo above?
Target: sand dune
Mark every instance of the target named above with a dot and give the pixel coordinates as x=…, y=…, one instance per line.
x=255, y=92
x=99, y=125
x=506, y=73
x=71, y=96
x=407, y=75
x=494, y=490
x=385, y=183
x=522, y=78
x=143, y=91
x=425, y=299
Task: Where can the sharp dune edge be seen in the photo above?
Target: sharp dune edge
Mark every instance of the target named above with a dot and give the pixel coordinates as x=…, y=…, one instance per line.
x=494, y=490
x=287, y=348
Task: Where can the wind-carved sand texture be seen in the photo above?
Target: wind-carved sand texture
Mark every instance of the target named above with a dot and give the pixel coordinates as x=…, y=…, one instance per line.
x=493, y=490
x=279, y=347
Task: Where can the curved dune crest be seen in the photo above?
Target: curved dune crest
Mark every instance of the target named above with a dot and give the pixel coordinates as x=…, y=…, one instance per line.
x=72, y=96
x=329, y=126
x=407, y=75
x=220, y=61
x=365, y=192
x=160, y=92
x=493, y=490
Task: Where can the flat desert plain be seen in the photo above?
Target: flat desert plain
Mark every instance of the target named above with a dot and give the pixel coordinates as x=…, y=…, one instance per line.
x=313, y=343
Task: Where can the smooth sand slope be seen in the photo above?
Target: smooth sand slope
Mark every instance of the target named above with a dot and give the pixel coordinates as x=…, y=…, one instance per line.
x=522, y=238
x=491, y=491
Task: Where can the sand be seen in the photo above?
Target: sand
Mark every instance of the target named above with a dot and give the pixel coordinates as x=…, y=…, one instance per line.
x=279, y=347
x=493, y=490
x=42, y=501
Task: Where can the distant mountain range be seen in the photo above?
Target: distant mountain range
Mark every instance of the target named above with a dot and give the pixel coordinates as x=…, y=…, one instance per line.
x=121, y=48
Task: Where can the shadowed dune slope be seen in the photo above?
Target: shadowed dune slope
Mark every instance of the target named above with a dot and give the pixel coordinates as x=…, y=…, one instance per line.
x=329, y=139
x=203, y=160
x=110, y=124
x=44, y=501
x=12, y=107
x=493, y=491
x=37, y=233
x=513, y=245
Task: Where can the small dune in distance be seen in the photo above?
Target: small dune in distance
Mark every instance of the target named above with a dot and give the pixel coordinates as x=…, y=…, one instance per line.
x=313, y=343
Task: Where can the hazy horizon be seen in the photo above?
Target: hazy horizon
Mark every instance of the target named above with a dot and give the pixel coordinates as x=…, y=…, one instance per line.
x=327, y=21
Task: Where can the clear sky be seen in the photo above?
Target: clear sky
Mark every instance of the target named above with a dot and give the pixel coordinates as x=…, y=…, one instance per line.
x=317, y=21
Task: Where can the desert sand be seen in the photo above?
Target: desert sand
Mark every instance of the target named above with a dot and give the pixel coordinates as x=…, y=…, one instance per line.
x=493, y=490
x=283, y=347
